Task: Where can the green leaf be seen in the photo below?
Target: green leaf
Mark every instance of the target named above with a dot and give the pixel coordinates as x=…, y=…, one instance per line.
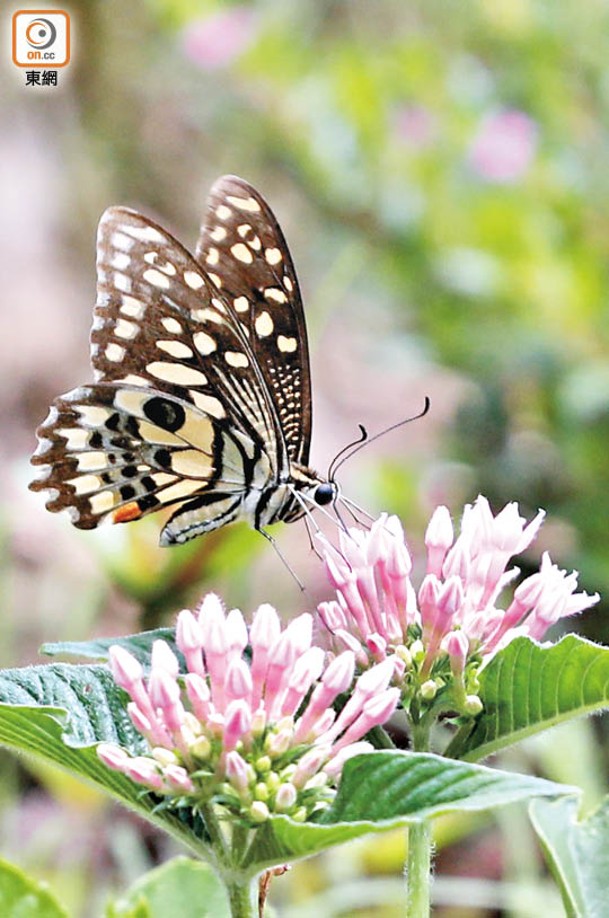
x=140, y=645
x=378, y=790
x=381, y=790
x=181, y=887
x=59, y=712
x=577, y=852
x=23, y=897
x=527, y=688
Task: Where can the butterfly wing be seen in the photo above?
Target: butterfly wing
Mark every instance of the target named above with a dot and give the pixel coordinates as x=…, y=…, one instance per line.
x=180, y=411
x=242, y=248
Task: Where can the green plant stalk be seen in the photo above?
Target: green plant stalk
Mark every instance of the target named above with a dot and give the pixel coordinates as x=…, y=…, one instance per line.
x=418, y=875
x=242, y=895
x=418, y=868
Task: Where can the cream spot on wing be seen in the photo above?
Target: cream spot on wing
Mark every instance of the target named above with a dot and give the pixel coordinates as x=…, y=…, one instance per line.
x=223, y=212
x=286, y=345
x=264, y=325
x=121, y=261
x=176, y=373
x=209, y=404
x=193, y=463
x=254, y=243
x=218, y=234
x=275, y=295
x=204, y=343
x=154, y=434
x=241, y=304
x=84, y=484
x=176, y=349
x=102, y=502
x=151, y=257
x=132, y=380
x=287, y=283
x=120, y=241
x=198, y=431
x=273, y=256
x=242, y=253
x=122, y=282
x=249, y=204
x=93, y=415
x=218, y=304
x=172, y=325
x=213, y=257
x=125, y=329
x=154, y=277
x=179, y=490
x=243, y=229
x=194, y=280
x=207, y=315
x=236, y=359
x=216, y=281
x=132, y=307
x=144, y=233
x=76, y=437
x=129, y=401
x=92, y=460
x=114, y=352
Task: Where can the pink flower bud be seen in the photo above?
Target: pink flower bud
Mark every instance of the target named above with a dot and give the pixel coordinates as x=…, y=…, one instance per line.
x=144, y=771
x=163, y=657
x=112, y=756
x=127, y=672
x=309, y=764
x=237, y=724
x=189, y=639
x=286, y=797
x=334, y=767
x=176, y=779
x=237, y=772
x=438, y=539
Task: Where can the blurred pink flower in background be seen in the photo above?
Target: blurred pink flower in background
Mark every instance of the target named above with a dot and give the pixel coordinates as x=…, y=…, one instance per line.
x=414, y=126
x=219, y=39
x=504, y=146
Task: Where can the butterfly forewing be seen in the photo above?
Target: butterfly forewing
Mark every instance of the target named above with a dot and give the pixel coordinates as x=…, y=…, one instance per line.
x=159, y=321
x=243, y=249
x=202, y=392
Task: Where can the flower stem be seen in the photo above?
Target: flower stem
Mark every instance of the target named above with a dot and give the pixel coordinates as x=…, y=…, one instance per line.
x=243, y=896
x=419, y=869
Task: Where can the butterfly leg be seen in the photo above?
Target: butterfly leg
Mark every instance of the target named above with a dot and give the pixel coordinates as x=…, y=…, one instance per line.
x=282, y=557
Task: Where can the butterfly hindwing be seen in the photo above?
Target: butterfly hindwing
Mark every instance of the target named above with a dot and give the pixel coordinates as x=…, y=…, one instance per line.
x=242, y=248
x=122, y=452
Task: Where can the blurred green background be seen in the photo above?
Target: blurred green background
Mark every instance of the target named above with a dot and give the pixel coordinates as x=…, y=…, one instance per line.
x=441, y=171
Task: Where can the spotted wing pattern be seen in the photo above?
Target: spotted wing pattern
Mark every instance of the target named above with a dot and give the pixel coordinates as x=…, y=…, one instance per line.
x=182, y=410
x=243, y=248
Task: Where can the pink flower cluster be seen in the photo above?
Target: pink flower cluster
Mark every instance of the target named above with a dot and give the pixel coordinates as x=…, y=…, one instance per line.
x=260, y=737
x=454, y=616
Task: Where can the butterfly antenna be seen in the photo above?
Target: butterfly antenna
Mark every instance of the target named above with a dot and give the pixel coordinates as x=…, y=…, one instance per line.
x=359, y=442
x=282, y=558
x=357, y=445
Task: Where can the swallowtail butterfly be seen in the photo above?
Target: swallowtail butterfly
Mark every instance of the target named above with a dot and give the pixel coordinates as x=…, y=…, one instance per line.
x=202, y=393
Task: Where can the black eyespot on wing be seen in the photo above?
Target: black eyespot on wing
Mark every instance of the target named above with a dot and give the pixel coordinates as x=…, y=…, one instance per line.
x=165, y=414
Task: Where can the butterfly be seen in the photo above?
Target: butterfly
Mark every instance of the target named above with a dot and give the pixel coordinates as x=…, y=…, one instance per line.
x=202, y=391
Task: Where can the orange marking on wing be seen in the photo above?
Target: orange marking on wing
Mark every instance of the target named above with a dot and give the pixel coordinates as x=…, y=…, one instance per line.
x=125, y=514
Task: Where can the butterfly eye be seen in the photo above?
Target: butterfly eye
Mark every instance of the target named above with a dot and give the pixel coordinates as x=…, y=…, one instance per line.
x=324, y=493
